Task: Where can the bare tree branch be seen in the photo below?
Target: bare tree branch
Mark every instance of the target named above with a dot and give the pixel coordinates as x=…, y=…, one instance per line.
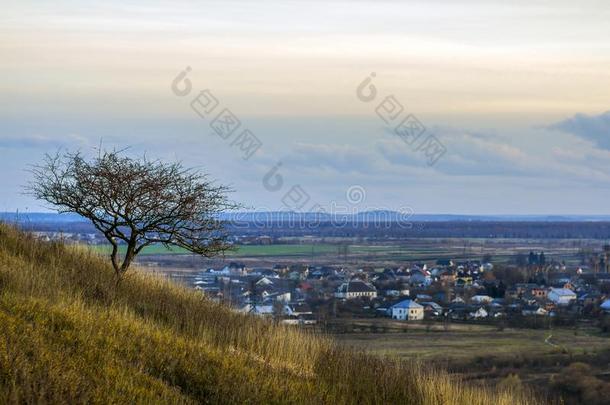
x=136, y=202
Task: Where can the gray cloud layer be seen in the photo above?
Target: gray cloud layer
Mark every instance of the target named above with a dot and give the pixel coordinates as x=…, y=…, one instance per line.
x=594, y=128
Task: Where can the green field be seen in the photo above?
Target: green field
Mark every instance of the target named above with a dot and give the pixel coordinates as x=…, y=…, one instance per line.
x=292, y=250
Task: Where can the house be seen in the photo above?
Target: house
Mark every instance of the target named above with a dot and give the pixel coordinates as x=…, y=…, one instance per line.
x=279, y=296
x=431, y=308
x=298, y=309
x=532, y=310
x=406, y=310
x=447, y=277
x=496, y=306
x=462, y=281
x=420, y=277
x=291, y=320
x=538, y=292
x=385, y=276
x=319, y=272
x=391, y=293
x=458, y=310
x=308, y=319
x=487, y=267
x=523, y=287
x=479, y=313
x=561, y=296
x=261, y=310
x=481, y=299
x=235, y=268
x=264, y=240
x=264, y=281
x=590, y=298
x=356, y=289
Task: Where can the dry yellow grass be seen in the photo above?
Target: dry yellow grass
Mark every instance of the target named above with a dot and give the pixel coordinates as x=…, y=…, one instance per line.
x=68, y=336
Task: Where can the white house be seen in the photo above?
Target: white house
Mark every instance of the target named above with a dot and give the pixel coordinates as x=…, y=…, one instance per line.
x=533, y=310
x=407, y=310
x=356, y=289
x=293, y=320
x=297, y=309
x=481, y=299
x=264, y=281
x=280, y=296
x=479, y=313
x=261, y=310
x=561, y=296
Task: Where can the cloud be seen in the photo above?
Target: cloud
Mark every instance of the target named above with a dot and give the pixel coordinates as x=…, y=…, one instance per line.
x=594, y=128
x=337, y=157
x=470, y=155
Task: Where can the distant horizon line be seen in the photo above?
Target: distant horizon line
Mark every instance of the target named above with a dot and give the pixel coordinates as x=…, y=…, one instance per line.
x=392, y=215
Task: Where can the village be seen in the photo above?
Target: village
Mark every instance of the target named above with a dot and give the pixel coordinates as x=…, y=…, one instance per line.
x=529, y=292
x=444, y=291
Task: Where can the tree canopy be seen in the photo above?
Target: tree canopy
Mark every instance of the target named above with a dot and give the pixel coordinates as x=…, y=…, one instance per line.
x=136, y=201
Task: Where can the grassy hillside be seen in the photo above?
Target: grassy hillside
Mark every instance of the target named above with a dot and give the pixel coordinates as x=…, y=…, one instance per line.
x=68, y=336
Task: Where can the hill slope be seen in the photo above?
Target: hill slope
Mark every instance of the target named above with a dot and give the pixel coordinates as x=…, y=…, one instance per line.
x=67, y=335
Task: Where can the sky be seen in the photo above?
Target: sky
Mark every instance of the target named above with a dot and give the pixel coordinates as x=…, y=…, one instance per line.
x=514, y=97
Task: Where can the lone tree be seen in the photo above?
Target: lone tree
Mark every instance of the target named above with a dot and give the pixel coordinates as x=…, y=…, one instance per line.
x=136, y=202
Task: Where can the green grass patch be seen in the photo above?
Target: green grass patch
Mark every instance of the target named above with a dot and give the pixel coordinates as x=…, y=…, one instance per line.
x=297, y=250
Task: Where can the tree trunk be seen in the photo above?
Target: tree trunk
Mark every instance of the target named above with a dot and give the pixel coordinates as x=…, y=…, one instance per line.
x=114, y=256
